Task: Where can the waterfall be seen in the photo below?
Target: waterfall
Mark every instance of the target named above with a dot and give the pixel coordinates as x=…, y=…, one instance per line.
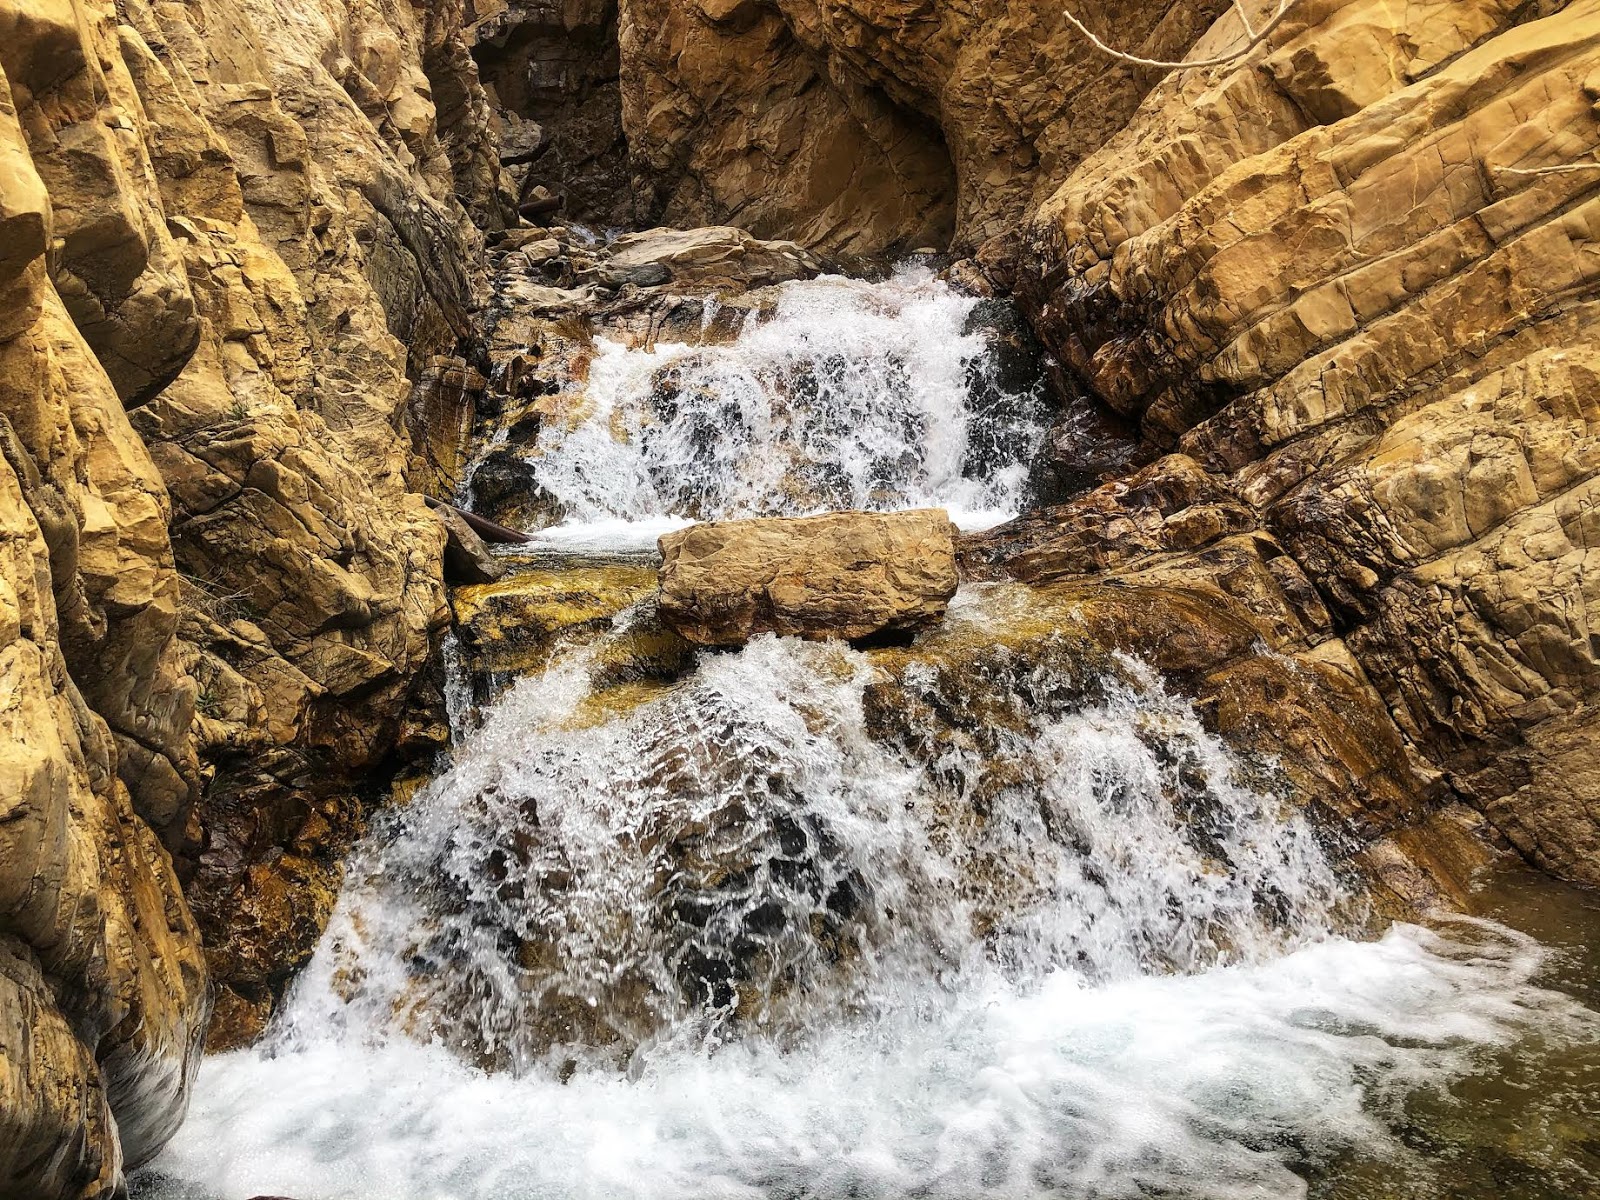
x=753, y=851
x=846, y=394
x=973, y=918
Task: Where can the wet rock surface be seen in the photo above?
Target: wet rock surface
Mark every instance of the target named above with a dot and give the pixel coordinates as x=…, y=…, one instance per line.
x=843, y=575
x=1323, y=318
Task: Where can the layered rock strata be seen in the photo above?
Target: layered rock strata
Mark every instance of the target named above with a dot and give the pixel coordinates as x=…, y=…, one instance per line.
x=228, y=241
x=102, y=983
x=1350, y=283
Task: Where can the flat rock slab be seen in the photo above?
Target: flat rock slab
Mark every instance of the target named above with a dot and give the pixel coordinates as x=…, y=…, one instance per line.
x=843, y=575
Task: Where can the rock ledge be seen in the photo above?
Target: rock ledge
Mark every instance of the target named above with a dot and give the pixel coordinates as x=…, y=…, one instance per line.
x=847, y=575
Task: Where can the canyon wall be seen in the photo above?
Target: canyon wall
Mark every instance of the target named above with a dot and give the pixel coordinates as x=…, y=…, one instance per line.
x=1325, y=313
x=870, y=126
x=1354, y=278
x=230, y=236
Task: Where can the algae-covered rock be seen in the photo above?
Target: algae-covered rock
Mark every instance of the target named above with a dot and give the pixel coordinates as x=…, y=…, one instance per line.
x=510, y=625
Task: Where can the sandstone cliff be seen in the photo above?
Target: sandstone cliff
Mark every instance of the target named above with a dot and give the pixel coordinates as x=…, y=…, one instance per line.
x=231, y=238
x=865, y=126
x=1328, y=311
x=1354, y=279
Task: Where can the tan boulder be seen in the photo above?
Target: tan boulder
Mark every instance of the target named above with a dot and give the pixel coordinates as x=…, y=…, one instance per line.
x=846, y=575
x=717, y=255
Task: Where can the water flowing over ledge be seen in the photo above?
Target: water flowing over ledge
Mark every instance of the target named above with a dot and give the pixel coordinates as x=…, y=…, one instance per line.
x=1087, y=993
x=843, y=394
x=991, y=915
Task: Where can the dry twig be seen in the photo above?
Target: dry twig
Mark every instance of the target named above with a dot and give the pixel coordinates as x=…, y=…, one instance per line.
x=1254, y=37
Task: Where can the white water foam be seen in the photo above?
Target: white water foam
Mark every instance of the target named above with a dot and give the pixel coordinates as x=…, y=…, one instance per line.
x=1130, y=1021
x=849, y=395
x=1208, y=1086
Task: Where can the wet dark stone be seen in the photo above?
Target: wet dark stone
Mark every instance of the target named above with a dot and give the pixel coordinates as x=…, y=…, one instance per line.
x=765, y=919
x=505, y=488
x=1086, y=446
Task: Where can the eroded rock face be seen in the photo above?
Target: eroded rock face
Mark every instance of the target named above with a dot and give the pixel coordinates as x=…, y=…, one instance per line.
x=1351, y=281
x=843, y=575
x=322, y=217
x=102, y=982
x=869, y=127
x=228, y=241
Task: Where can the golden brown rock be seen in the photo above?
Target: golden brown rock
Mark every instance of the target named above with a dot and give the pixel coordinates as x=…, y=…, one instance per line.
x=227, y=241
x=868, y=126
x=1351, y=285
x=1353, y=278
x=846, y=575
x=102, y=983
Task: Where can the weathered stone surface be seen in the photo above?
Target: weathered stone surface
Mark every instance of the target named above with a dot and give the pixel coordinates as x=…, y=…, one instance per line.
x=1170, y=505
x=844, y=575
x=102, y=983
x=718, y=257
x=867, y=127
x=229, y=239
x=1352, y=280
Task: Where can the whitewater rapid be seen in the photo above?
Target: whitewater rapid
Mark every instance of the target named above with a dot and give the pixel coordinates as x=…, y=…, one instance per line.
x=1138, y=1027
x=818, y=922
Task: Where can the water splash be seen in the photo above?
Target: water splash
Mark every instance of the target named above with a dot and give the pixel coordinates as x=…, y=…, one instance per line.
x=783, y=932
x=765, y=844
x=847, y=395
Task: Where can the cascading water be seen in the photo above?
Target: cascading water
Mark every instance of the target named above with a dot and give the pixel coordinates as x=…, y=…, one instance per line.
x=974, y=918
x=846, y=395
x=753, y=849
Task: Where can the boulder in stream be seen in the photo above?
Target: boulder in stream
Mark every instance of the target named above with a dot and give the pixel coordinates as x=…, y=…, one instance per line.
x=850, y=575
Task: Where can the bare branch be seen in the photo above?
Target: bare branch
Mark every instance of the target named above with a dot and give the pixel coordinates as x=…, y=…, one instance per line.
x=1244, y=19
x=1253, y=38
x=1556, y=169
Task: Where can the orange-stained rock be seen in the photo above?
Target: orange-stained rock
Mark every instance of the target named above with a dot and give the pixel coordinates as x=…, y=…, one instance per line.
x=871, y=126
